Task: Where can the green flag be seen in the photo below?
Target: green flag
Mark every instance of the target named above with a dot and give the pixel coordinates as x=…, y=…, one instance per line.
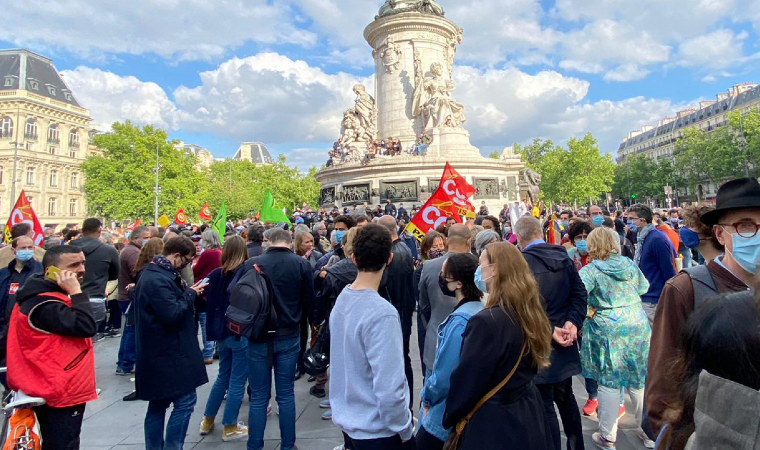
x=271, y=214
x=220, y=223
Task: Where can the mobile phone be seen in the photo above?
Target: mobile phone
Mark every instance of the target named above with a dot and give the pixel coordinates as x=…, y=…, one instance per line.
x=51, y=271
x=204, y=281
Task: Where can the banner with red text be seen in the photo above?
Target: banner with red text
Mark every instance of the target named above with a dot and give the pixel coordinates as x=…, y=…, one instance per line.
x=23, y=213
x=439, y=208
x=459, y=191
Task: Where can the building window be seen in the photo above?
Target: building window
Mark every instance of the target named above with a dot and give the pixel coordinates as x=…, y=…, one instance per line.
x=30, y=131
x=67, y=95
x=51, y=89
x=9, y=80
x=53, y=178
x=6, y=127
x=73, y=207
x=34, y=84
x=73, y=153
x=30, y=146
x=74, y=138
x=53, y=134
x=52, y=150
x=74, y=180
x=52, y=206
x=30, y=176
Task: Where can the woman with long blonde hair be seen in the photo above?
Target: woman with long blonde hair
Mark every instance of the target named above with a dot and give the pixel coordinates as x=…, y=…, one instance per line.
x=502, y=349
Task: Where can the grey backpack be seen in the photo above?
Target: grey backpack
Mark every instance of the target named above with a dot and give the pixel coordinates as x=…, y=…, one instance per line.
x=702, y=282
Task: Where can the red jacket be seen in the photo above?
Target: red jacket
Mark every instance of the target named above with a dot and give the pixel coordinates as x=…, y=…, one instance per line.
x=57, y=368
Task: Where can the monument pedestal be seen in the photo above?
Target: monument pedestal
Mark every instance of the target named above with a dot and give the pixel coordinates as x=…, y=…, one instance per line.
x=451, y=143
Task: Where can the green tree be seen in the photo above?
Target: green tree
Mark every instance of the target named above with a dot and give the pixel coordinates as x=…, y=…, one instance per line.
x=494, y=154
x=747, y=126
x=534, y=153
x=119, y=185
x=575, y=173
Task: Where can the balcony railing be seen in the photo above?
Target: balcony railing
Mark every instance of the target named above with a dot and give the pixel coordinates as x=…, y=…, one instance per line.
x=73, y=144
x=54, y=140
x=5, y=135
x=31, y=136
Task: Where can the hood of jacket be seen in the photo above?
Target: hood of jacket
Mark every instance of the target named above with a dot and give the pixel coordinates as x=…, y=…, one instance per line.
x=35, y=285
x=344, y=270
x=87, y=244
x=553, y=257
x=618, y=267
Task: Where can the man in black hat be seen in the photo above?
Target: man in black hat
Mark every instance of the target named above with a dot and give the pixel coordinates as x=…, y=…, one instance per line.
x=735, y=223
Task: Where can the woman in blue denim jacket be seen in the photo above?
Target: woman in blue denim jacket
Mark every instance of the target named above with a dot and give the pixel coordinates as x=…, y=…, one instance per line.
x=457, y=279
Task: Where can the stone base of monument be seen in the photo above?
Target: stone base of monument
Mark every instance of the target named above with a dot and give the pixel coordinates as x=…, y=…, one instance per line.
x=451, y=141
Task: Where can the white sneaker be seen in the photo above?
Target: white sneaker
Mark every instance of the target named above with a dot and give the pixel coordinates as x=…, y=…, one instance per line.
x=235, y=432
x=648, y=443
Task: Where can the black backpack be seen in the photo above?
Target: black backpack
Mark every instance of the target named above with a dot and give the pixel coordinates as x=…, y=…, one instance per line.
x=251, y=313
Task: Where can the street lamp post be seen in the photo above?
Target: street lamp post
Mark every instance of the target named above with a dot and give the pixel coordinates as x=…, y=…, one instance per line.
x=156, y=191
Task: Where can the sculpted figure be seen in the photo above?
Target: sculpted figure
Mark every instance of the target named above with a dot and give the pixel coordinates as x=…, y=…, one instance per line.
x=432, y=100
x=532, y=179
x=365, y=110
x=391, y=56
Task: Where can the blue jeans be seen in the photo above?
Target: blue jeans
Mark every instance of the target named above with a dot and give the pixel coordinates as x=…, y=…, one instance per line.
x=127, y=350
x=233, y=373
x=208, y=346
x=284, y=358
x=176, y=428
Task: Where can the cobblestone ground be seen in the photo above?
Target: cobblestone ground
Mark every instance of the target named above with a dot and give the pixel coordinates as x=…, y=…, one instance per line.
x=111, y=423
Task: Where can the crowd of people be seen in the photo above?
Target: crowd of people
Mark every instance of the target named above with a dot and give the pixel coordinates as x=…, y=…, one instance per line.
x=341, y=152
x=654, y=309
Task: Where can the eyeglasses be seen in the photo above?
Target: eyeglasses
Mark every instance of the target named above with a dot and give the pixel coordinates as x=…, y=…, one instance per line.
x=743, y=229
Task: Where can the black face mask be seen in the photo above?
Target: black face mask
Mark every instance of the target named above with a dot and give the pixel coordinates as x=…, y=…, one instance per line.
x=445, y=287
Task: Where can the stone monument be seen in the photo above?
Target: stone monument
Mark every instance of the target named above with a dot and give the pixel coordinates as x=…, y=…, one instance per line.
x=413, y=45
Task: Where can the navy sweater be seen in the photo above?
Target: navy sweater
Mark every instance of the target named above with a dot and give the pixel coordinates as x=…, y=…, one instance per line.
x=657, y=255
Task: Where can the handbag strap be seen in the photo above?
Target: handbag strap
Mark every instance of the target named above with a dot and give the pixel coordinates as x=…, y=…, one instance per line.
x=462, y=423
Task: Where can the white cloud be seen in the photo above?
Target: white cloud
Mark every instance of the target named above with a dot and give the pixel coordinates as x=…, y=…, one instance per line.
x=178, y=30
x=111, y=98
x=626, y=72
x=717, y=50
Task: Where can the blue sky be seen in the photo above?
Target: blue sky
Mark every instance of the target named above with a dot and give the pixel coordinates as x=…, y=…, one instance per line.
x=280, y=71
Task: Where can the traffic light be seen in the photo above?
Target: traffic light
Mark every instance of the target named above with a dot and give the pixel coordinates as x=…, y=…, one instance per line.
x=633, y=196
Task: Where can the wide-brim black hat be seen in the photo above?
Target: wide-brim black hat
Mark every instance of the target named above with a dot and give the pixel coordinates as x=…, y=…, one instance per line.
x=736, y=194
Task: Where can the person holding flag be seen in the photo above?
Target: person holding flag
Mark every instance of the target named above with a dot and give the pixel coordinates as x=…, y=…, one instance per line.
x=220, y=222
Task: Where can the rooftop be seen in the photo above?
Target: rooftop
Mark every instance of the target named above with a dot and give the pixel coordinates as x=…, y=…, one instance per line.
x=24, y=70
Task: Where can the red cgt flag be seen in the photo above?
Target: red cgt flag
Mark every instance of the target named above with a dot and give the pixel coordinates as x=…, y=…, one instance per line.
x=433, y=213
x=180, y=218
x=205, y=213
x=23, y=213
x=459, y=191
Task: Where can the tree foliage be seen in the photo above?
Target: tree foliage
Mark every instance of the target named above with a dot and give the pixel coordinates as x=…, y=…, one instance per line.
x=119, y=185
x=573, y=174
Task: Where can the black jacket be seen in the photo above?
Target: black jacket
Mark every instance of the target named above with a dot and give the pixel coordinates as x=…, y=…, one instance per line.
x=217, y=300
x=54, y=316
x=399, y=284
x=340, y=275
x=8, y=275
x=390, y=210
x=254, y=249
x=169, y=359
x=565, y=299
x=290, y=276
x=101, y=265
x=491, y=344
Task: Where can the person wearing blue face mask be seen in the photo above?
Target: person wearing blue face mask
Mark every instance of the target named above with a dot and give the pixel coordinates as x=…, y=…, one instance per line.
x=578, y=233
x=734, y=224
x=12, y=278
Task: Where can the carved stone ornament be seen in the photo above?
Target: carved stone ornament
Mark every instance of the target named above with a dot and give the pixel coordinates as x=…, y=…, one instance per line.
x=355, y=194
x=486, y=187
x=392, y=7
x=399, y=191
x=359, y=124
x=433, y=184
x=391, y=56
x=432, y=98
x=327, y=196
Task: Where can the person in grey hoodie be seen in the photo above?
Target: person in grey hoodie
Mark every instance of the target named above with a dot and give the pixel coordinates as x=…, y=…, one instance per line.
x=368, y=390
x=101, y=266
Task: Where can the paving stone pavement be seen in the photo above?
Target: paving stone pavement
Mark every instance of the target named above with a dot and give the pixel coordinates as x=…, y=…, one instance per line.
x=112, y=424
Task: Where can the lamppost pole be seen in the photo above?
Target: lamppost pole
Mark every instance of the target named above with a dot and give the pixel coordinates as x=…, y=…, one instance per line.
x=156, y=189
x=15, y=159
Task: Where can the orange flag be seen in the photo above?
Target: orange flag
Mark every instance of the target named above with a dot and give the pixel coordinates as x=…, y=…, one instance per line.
x=23, y=213
x=180, y=218
x=134, y=225
x=459, y=190
x=205, y=212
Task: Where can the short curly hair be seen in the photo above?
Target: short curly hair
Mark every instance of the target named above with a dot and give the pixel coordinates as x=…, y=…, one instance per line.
x=578, y=228
x=691, y=216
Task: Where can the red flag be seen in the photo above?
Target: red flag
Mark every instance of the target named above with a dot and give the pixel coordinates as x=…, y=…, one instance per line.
x=433, y=213
x=459, y=191
x=23, y=213
x=554, y=232
x=180, y=218
x=134, y=225
x=205, y=212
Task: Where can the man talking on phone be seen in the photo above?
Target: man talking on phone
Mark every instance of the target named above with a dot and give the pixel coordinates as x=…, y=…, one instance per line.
x=49, y=347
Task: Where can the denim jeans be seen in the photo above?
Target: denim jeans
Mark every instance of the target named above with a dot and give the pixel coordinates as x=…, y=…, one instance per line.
x=208, y=346
x=176, y=428
x=127, y=350
x=284, y=358
x=233, y=373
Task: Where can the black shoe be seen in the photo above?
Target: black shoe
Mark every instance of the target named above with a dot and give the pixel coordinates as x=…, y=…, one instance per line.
x=98, y=337
x=298, y=375
x=312, y=378
x=130, y=397
x=317, y=392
